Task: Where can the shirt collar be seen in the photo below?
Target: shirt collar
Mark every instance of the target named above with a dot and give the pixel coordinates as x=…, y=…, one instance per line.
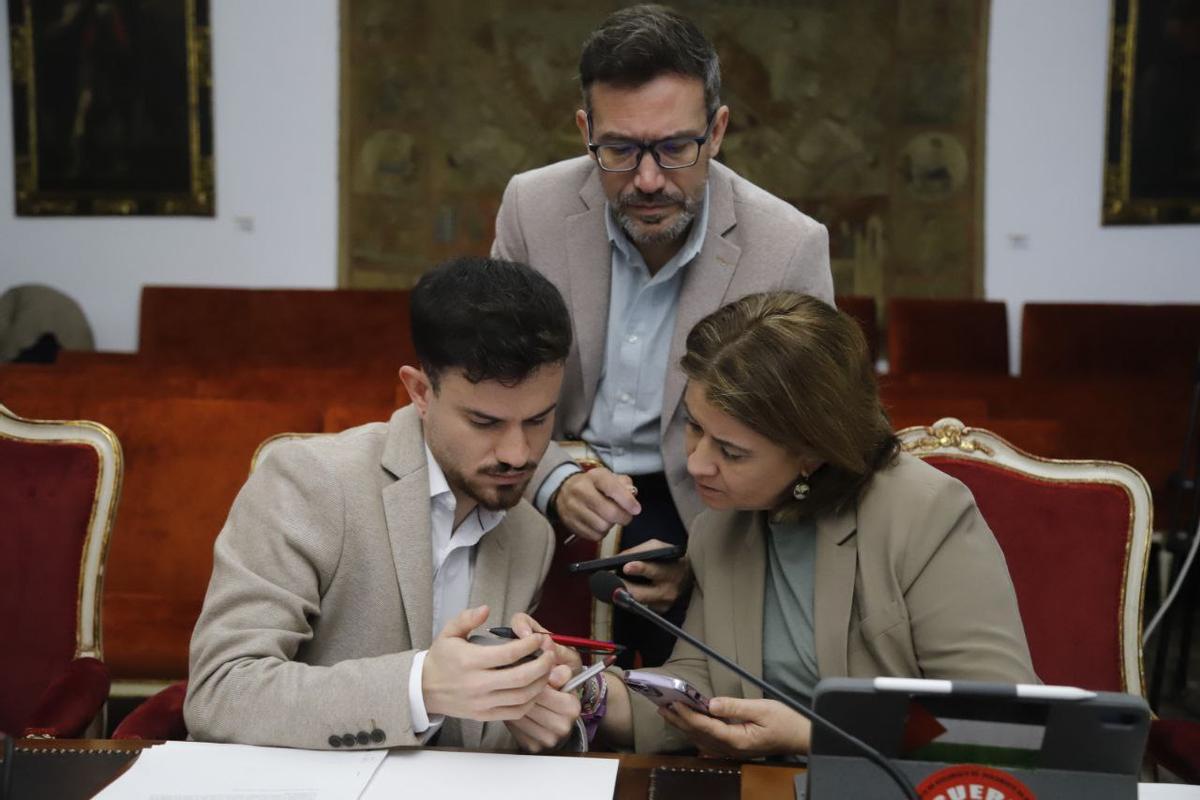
x=690, y=249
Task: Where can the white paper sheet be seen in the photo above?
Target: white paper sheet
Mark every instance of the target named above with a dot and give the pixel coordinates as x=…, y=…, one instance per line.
x=203, y=771
x=1167, y=791
x=496, y=776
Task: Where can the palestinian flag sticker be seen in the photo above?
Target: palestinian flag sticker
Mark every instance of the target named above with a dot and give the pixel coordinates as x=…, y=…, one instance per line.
x=973, y=782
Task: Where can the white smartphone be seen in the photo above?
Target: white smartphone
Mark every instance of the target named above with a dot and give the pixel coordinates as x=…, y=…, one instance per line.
x=578, y=678
x=662, y=690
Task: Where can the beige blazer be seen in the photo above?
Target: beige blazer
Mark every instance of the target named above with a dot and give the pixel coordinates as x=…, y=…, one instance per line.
x=553, y=219
x=322, y=591
x=909, y=583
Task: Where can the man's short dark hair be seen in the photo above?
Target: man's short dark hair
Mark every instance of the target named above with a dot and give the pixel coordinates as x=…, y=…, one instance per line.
x=494, y=320
x=637, y=44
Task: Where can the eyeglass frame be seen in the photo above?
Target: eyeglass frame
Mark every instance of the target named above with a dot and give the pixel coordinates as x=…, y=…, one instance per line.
x=644, y=146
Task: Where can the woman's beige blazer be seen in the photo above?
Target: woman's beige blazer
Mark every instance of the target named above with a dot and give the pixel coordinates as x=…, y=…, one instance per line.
x=910, y=582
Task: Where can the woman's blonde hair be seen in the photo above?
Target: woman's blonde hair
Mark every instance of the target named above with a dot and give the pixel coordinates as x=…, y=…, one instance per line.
x=798, y=372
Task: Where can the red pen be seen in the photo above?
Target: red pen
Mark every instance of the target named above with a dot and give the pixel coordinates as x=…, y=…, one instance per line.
x=579, y=642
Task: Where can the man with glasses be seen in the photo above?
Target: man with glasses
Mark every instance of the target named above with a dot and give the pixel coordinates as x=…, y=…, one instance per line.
x=644, y=236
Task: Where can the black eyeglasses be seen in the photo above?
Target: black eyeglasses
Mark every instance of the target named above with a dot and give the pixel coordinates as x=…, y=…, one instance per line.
x=677, y=152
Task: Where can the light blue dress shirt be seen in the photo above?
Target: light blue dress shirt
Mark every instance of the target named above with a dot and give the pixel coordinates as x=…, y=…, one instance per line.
x=624, y=426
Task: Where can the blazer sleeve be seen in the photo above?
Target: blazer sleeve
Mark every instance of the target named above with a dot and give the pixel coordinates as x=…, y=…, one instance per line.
x=509, y=243
x=272, y=563
x=652, y=734
x=962, y=607
x=808, y=271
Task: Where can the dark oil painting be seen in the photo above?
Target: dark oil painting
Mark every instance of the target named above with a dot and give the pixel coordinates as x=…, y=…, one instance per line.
x=112, y=107
x=1152, y=171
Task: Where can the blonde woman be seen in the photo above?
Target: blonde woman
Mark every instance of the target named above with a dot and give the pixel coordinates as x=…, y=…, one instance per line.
x=825, y=552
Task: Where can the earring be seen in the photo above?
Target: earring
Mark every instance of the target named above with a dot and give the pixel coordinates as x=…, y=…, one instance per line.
x=800, y=490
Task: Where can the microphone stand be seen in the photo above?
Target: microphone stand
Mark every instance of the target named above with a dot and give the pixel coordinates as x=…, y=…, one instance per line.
x=624, y=599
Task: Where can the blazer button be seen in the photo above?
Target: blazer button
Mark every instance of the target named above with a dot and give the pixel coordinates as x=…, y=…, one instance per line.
x=378, y=736
x=335, y=741
x=363, y=737
x=348, y=739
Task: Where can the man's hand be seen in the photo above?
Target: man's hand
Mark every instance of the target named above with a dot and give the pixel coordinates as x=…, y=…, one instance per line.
x=590, y=503
x=553, y=715
x=744, y=729
x=668, y=580
x=524, y=625
x=472, y=681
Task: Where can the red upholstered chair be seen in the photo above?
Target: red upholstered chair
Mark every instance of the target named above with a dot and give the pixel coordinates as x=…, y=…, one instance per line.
x=159, y=717
x=59, y=487
x=1076, y=535
x=963, y=336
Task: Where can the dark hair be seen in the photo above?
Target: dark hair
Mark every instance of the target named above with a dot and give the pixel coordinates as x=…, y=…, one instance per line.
x=637, y=44
x=494, y=320
x=797, y=371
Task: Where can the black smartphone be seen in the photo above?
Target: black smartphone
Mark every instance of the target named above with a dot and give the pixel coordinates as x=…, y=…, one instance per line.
x=672, y=553
x=490, y=640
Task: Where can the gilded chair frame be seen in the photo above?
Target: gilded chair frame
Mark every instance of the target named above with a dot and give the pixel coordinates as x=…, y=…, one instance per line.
x=950, y=438
x=89, y=641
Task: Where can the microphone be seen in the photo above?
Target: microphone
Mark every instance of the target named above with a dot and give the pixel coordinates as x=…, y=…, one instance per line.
x=608, y=588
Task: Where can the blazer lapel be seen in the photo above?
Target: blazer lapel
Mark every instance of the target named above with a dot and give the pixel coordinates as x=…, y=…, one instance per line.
x=747, y=581
x=589, y=270
x=489, y=584
x=406, y=508
x=835, y=573
x=705, y=282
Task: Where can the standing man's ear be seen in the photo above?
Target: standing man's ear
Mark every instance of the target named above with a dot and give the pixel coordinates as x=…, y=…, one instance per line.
x=717, y=134
x=581, y=122
x=419, y=387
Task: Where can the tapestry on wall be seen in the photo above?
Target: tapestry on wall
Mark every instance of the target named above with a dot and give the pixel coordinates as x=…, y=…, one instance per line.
x=866, y=114
x=112, y=107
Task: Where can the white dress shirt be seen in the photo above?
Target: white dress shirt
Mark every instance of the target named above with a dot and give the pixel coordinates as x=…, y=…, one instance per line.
x=453, y=568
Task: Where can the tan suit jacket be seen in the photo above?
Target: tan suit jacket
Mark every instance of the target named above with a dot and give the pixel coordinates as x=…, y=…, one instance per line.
x=322, y=591
x=910, y=582
x=553, y=219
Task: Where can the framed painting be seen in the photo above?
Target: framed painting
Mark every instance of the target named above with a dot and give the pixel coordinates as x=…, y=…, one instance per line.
x=112, y=107
x=1152, y=152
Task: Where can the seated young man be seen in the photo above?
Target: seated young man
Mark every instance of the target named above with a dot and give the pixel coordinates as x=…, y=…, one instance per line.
x=344, y=555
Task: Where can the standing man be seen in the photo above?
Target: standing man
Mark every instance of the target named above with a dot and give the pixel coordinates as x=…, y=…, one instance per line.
x=645, y=235
x=344, y=555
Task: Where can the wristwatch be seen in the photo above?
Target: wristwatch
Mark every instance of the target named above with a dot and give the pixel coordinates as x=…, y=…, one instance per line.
x=593, y=704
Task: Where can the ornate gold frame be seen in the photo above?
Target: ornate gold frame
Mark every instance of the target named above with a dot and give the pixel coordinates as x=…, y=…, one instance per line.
x=1121, y=206
x=949, y=437
x=32, y=199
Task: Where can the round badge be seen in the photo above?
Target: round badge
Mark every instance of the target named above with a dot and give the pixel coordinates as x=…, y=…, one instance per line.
x=973, y=782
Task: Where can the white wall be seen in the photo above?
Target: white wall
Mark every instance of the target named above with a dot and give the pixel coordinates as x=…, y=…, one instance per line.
x=1047, y=84
x=275, y=76
x=276, y=82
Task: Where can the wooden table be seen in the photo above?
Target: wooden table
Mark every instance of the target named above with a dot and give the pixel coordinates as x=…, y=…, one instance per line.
x=65, y=769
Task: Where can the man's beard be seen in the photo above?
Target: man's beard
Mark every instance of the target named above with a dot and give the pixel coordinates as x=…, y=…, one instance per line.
x=633, y=226
x=491, y=496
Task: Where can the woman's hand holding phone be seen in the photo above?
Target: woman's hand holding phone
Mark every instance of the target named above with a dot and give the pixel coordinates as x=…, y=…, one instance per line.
x=742, y=729
x=657, y=584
